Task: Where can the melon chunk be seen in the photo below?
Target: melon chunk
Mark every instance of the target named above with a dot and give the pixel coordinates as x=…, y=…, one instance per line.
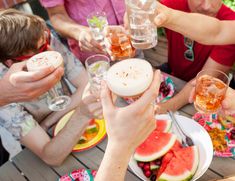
x=163, y=125
x=155, y=146
x=179, y=165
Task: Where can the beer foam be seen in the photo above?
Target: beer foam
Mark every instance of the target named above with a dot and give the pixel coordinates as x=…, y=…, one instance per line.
x=130, y=77
x=44, y=59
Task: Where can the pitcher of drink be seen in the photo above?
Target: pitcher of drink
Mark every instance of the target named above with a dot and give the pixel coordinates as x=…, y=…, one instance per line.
x=140, y=15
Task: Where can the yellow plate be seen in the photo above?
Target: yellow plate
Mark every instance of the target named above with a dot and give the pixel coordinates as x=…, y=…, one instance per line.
x=84, y=146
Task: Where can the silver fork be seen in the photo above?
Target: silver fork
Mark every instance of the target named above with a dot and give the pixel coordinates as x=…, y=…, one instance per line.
x=186, y=140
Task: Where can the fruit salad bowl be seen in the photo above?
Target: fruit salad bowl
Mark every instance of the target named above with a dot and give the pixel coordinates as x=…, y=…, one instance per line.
x=163, y=151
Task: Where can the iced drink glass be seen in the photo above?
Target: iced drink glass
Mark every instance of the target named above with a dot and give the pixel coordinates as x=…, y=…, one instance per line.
x=118, y=43
x=97, y=21
x=143, y=31
x=211, y=86
x=97, y=67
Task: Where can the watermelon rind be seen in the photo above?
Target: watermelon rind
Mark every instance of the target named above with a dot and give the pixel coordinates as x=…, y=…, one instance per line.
x=196, y=160
x=91, y=129
x=169, y=125
x=186, y=176
x=158, y=154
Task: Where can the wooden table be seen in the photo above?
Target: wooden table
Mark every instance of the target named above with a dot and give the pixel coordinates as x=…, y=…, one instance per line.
x=26, y=166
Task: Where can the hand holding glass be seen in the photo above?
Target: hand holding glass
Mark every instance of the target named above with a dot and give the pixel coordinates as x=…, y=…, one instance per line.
x=56, y=99
x=97, y=21
x=118, y=43
x=97, y=67
x=211, y=86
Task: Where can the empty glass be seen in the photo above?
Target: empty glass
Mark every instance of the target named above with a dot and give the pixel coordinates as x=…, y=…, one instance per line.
x=143, y=31
x=97, y=67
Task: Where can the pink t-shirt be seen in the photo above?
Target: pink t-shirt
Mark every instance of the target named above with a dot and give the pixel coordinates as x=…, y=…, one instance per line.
x=78, y=11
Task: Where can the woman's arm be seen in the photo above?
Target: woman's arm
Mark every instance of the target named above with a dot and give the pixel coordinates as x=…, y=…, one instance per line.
x=204, y=29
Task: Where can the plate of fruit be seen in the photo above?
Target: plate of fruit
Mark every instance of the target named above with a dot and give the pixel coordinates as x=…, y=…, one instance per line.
x=162, y=157
x=94, y=133
x=166, y=90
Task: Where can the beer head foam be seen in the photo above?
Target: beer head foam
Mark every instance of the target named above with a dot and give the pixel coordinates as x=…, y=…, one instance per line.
x=44, y=59
x=130, y=77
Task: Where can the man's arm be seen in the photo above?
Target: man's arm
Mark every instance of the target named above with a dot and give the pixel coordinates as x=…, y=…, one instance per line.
x=18, y=85
x=182, y=98
x=54, y=151
x=201, y=28
x=73, y=30
x=51, y=151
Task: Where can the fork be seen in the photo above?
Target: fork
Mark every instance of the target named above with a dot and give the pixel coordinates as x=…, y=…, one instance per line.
x=186, y=140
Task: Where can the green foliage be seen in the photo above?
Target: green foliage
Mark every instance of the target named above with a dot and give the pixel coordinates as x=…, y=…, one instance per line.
x=230, y=3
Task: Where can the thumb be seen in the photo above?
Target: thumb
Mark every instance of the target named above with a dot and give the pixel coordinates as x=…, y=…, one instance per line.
x=106, y=98
x=160, y=19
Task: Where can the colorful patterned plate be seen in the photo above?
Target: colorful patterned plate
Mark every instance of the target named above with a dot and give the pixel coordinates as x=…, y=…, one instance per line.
x=79, y=175
x=162, y=97
x=83, y=146
x=225, y=124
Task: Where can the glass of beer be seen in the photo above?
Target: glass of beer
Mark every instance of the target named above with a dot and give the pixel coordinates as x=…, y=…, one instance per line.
x=211, y=86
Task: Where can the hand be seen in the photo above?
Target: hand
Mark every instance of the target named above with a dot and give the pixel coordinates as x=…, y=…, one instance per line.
x=129, y=126
x=228, y=104
x=18, y=85
x=87, y=43
x=109, y=30
x=162, y=15
x=90, y=106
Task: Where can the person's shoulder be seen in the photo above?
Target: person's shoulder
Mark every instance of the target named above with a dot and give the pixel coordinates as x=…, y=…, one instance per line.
x=226, y=13
x=176, y=4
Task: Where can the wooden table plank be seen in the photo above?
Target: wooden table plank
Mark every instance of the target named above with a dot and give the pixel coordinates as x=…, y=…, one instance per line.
x=33, y=167
x=69, y=165
x=232, y=178
x=224, y=166
x=209, y=175
x=103, y=144
x=8, y=172
x=92, y=159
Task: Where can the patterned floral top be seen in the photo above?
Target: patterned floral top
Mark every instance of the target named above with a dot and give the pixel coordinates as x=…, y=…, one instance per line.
x=18, y=118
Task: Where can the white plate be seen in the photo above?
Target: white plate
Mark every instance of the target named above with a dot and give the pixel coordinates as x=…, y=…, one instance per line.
x=200, y=138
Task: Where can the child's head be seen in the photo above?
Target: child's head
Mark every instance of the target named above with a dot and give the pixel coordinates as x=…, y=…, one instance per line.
x=21, y=35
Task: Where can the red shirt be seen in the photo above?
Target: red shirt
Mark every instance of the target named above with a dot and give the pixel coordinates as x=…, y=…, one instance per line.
x=185, y=69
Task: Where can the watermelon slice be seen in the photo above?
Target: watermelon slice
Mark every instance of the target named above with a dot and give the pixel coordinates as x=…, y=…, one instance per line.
x=179, y=165
x=176, y=146
x=163, y=125
x=91, y=129
x=155, y=146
